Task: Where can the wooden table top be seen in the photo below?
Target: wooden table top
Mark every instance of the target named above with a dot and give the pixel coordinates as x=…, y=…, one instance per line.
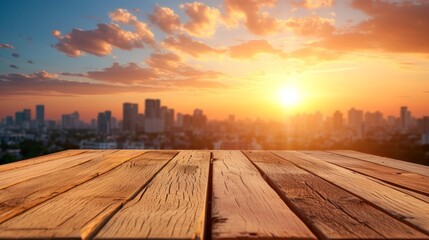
x=169, y=194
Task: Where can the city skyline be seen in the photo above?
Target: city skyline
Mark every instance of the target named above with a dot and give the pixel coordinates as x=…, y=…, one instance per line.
x=223, y=56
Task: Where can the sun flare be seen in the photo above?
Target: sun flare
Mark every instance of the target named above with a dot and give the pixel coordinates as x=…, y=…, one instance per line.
x=289, y=96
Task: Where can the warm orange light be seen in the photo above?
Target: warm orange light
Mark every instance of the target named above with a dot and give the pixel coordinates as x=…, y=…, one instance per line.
x=289, y=96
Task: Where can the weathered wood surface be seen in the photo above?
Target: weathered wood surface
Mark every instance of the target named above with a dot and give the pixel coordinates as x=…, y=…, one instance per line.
x=245, y=206
x=390, y=162
x=25, y=195
x=24, y=173
x=42, y=159
x=173, y=205
x=400, y=205
x=408, y=180
x=79, y=213
x=332, y=212
x=160, y=194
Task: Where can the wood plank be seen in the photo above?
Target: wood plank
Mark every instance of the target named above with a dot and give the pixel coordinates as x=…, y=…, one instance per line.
x=80, y=212
x=331, y=212
x=173, y=205
x=244, y=206
x=22, y=174
x=41, y=159
x=25, y=195
x=390, y=162
x=408, y=180
x=398, y=204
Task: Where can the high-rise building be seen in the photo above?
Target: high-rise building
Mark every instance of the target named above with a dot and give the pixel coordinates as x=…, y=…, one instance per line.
x=199, y=119
x=130, y=112
x=405, y=119
x=9, y=121
x=153, y=122
x=27, y=115
x=355, y=118
x=104, y=122
x=167, y=116
x=373, y=120
x=338, y=120
x=19, y=118
x=40, y=114
x=70, y=121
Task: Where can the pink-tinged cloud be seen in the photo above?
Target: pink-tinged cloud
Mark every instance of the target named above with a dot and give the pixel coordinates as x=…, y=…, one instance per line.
x=127, y=74
x=173, y=65
x=314, y=55
x=101, y=40
x=310, y=26
x=392, y=26
x=165, y=19
x=252, y=48
x=249, y=12
x=202, y=19
x=312, y=4
x=45, y=83
x=186, y=44
x=6, y=45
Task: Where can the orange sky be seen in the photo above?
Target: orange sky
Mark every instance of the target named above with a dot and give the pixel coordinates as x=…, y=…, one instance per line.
x=229, y=57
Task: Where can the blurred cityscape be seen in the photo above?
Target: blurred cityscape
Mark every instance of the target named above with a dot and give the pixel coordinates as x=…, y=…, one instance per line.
x=159, y=127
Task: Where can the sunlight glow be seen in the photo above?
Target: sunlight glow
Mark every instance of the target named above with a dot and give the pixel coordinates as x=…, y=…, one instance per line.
x=289, y=96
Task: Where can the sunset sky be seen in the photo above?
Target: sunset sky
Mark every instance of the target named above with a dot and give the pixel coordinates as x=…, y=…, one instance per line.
x=225, y=57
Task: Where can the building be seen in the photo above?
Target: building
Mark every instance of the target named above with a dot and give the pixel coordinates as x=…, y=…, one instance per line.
x=153, y=123
x=355, y=118
x=199, y=119
x=167, y=116
x=19, y=119
x=70, y=121
x=130, y=113
x=40, y=114
x=104, y=122
x=337, y=120
x=405, y=119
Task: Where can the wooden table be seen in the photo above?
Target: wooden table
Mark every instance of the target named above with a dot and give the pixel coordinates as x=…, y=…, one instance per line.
x=133, y=194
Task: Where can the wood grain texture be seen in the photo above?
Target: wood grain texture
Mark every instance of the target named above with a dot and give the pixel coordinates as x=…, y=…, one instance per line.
x=390, y=162
x=41, y=159
x=244, y=206
x=331, y=212
x=78, y=213
x=25, y=195
x=408, y=180
x=25, y=173
x=398, y=204
x=173, y=205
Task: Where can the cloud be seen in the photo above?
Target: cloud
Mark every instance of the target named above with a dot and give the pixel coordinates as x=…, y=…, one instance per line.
x=186, y=44
x=248, y=12
x=6, y=45
x=165, y=19
x=30, y=62
x=171, y=63
x=130, y=73
x=13, y=66
x=100, y=41
x=310, y=26
x=202, y=19
x=45, y=83
x=16, y=55
x=392, y=26
x=252, y=48
x=314, y=55
x=312, y=4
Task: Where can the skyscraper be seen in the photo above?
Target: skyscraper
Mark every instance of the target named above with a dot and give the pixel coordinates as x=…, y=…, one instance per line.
x=153, y=122
x=355, y=118
x=104, y=122
x=130, y=112
x=405, y=119
x=40, y=114
x=337, y=120
x=27, y=115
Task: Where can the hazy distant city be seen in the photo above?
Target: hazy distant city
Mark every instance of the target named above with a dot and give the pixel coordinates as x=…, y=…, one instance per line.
x=160, y=127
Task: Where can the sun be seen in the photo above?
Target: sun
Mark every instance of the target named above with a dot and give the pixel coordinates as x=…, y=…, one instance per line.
x=289, y=96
